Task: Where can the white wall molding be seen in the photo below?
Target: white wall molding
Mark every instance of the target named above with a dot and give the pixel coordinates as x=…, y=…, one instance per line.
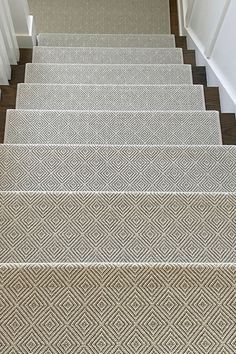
x=16, y=30
x=3, y=73
x=214, y=76
x=6, y=67
x=8, y=32
x=23, y=23
x=189, y=12
x=211, y=46
x=9, y=50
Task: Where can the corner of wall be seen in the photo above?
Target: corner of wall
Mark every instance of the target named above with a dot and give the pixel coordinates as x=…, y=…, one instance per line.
x=214, y=76
x=27, y=40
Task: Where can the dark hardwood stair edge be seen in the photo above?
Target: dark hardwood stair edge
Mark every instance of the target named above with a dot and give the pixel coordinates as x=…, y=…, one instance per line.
x=8, y=99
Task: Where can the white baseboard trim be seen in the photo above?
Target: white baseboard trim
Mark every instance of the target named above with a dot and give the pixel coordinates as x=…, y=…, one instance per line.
x=27, y=40
x=182, y=30
x=214, y=76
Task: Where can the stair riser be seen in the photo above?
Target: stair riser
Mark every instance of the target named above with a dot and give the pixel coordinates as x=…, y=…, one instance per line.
x=114, y=227
x=109, y=74
x=104, y=16
x=106, y=40
x=118, y=168
x=113, y=128
x=107, y=55
x=110, y=97
x=118, y=308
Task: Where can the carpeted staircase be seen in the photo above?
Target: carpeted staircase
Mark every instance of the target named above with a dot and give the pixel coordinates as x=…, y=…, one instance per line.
x=117, y=203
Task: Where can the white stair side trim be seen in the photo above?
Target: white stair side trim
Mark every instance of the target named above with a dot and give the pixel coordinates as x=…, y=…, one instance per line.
x=8, y=32
x=215, y=75
x=5, y=59
x=3, y=74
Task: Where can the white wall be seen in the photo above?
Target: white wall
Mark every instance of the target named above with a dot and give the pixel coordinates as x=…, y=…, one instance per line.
x=9, y=51
x=23, y=23
x=210, y=26
x=16, y=30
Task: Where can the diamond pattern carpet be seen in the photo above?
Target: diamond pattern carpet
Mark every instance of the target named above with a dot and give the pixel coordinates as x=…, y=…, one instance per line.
x=96, y=55
x=113, y=128
x=106, y=40
x=109, y=74
x=41, y=227
x=103, y=16
x=110, y=97
x=119, y=308
x=117, y=197
x=118, y=168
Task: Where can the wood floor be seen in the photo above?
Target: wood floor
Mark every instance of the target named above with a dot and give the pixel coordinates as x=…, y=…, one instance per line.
x=228, y=122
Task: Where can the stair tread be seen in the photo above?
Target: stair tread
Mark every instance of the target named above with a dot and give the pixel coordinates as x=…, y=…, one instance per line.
x=110, y=97
x=86, y=307
x=108, y=74
x=117, y=197
x=106, y=40
x=140, y=128
x=103, y=16
x=125, y=227
x=94, y=55
x=118, y=168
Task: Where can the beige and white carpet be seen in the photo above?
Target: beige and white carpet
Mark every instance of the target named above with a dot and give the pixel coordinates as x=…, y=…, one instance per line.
x=110, y=97
x=102, y=74
x=113, y=128
x=107, y=40
x=101, y=16
x=117, y=201
x=118, y=168
x=96, y=55
x=59, y=227
x=114, y=309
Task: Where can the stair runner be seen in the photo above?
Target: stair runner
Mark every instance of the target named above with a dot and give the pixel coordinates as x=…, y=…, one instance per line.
x=92, y=55
x=110, y=97
x=103, y=16
x=117, y=204
x=109, y=74
x=106, y=40
x=113, y=128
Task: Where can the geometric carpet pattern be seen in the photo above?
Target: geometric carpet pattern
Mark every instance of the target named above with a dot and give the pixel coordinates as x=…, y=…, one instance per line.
x=114, y=309
x=60, y=227
x=106, y=40
x=117, y=197
x=113, y=128
x=96, y=55
x=108, y=74
x=103, y=16
x=118, y=168
x=110, y=97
